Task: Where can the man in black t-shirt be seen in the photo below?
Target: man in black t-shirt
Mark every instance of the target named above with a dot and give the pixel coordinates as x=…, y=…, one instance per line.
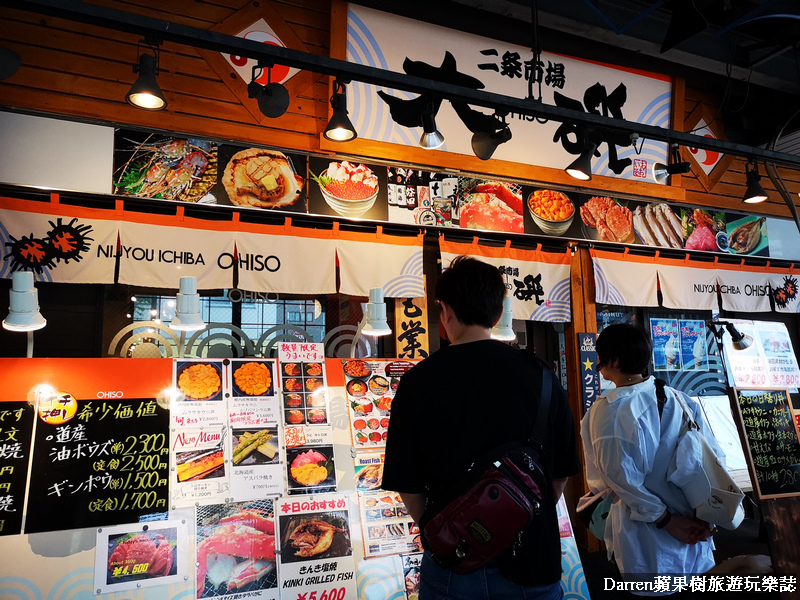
x=453, y=407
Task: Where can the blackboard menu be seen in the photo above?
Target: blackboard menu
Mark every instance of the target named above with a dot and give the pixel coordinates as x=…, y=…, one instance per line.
x=107, y=464
x=16, y=427
x=772, y=441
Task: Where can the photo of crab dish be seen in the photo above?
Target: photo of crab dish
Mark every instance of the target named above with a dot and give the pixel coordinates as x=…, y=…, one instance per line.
x=491, y=205
x=607, y=219
x=315, y=536
x=235, y=549
x=261, y=178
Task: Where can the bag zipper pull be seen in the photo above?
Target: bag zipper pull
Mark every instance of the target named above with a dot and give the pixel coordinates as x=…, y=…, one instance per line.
x=516, y=544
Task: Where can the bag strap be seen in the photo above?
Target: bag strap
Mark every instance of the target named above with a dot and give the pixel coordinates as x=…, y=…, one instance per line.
x=687, y=414
x=538, y=433
x=661, y=396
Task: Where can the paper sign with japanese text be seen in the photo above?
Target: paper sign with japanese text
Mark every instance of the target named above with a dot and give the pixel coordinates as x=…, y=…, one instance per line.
x=694, y=352
x=199, y=400
x=200, y=465
x=666, y=344
x=304, y=393
x=590, y=378
x=316, y=551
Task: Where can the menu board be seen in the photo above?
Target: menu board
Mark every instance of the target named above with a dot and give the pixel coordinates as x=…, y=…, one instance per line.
x=768, y=361
x=16, y=429
x=97, y=462
x=772, y=441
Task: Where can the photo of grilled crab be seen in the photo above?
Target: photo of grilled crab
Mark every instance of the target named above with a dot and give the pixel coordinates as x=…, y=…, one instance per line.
x=612, y=221
x=239, y=550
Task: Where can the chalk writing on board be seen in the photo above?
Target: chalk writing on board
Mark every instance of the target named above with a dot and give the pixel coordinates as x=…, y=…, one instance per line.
x=106, y=465
x=772, y=440
x=16, y=427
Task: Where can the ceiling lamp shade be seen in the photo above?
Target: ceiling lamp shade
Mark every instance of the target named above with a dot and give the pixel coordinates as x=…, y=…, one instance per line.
x=340, y=128
x=431, y=137
x=145, y=92
x=503, y=331
x=581, y=167
x=187, y=309
x=23, y=312
x=676, y=167
x=10, y=62
x=755, y=192
x=273, y=98
x=376, y=324
x=484, y=144
x=739, y=340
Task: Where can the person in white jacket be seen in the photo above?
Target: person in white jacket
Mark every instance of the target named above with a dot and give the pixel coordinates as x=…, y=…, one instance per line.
x=628, y=449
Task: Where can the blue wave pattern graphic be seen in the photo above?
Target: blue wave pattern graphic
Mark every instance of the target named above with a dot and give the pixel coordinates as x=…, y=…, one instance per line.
x=380, y=579
x=657, y=114
x=605, y=293
x=409, y=284
x=559, y=309
x=372, y=113
x=574, y=580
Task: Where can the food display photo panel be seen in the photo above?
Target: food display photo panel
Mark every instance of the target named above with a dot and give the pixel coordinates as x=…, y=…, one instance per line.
x=347, y=189
x=154, y=165
x=236, y=550
x=748, y=236
x=419, y=197
x=256, y=469
x=200, y=400
x=304, y=396
x=370, y=386
x=253, y=397
x=387, y=526
x=133, y=556
x=489, y=205
x=200, y=468
x=261, y=178
x=311, y=470
x=316, y=555
x=551, y=212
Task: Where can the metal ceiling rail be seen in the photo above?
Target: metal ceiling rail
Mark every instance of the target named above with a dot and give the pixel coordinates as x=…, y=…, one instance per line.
x=148, y=27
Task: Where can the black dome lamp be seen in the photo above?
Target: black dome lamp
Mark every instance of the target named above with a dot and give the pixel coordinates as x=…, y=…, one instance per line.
x=145, y=93
x=340, y=128
x=273, y=98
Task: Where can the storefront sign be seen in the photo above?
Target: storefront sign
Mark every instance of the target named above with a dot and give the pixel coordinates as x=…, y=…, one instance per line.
x=590, y=377
x=772, y=441
x=537, y=281
x=411, y=327
x=16, y=430
x=452, y=56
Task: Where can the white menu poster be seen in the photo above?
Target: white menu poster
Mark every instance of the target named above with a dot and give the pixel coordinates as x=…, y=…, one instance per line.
x=316, y=552
x=768, y=361
x=198, y=466
x=370, y=387
x=253, y=415
x=236, y=551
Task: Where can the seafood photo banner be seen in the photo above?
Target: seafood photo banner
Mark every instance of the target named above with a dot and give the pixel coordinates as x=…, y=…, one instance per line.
x=156, y=251
x=289, y=260
x=537, y=281
x=624, y=280
x=372, y=260
x=64, y=244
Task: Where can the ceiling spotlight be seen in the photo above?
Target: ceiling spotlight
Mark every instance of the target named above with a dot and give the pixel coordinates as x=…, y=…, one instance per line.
x=755, y=192
x=273, y=98
x=145, y=93
x=581, y=167
x=484, y=143
x=431, y=137
x=340, y=128
x=10, y=62
x=676, y=166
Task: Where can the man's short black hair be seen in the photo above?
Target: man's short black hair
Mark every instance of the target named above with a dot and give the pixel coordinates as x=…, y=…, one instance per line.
x=473, y=289
x=626, y=343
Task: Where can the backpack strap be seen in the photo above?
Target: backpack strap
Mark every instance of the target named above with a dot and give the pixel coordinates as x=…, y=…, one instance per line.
x=538, y=433
x=661, y=396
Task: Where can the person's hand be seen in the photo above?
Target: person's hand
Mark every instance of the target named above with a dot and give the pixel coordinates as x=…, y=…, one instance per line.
x=689, y=531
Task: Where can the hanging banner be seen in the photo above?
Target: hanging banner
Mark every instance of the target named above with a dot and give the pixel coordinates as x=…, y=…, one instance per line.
x=452, y=56
x=537, y=281
x=64, y=244
x=687, y=285
x=368, y=260
x=743, y=288
x=285, y=259
x=624, y=279
x=783, y=285
x=156, y=251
